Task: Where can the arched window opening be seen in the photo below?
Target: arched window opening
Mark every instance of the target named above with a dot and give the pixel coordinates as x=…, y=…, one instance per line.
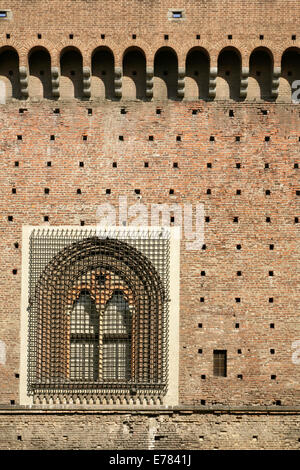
x=9, y=74
x=134, y=75
x=290, y=72
x=103, y=70
x=197, y=75
x=40, y=74
x=117, y=338
x=71, y=80
x=229, y=75
x=84, y=339
x=165, y=74
x=260, y=75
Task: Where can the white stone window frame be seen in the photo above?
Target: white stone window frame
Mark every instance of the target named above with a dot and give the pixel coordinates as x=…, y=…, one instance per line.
x=174, y=10
x=171, y=398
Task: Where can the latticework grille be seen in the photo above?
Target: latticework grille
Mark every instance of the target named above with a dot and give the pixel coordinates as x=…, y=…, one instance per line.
x=98, y=312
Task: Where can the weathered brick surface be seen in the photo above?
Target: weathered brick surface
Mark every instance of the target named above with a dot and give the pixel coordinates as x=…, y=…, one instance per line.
x=219, y=313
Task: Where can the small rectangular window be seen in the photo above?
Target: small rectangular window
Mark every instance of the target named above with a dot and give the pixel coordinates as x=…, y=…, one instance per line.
x=177, y=14
x=3, y=14
x=220, y=363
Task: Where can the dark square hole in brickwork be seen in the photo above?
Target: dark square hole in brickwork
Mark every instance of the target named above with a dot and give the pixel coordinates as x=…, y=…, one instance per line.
x=200, y=325
x=84, y=137
x=236, y=220
x=166, y=37
x=175, y=165
x=178, y=138
x=90, y=111
x=82, y=223
x=16, y=245
x=204, y=247
x=238, y=165
x=212, y=138
x=272, y=325
x=240, y=376
x=78, y=191
x=81, y=164
x=146, y=164
x=267, y=138
x=49, y=164
x=7, y=36
x=208, y=191
x=10, y=73
x=237, y=138
x=268, y=192
x=209, y=165
x=200, y=351
x=273, y=377
x=229, y=36
x=271, y=273
x=22, y=110
x=10, y=218
x=17, y=376
x=114, y=164
x=267, y=166
x=271, y=246
x=271, y=300
x=151, y=138
x=207, y=219
x=134, y=36
x=297, y=192
x=264, y=112
x=238, y=247
x=239, y=273
x=171, y=191
x=102, y=36
x=238, y=192
x=52, y=137
x=238, y=299
x=194, y=111
x=278, y=402
x=237, y=325
x=46, y=218
x=172, y=219
x=261, y=36
x=121, y=137
x=14, y=271
x=14, y=190
x=296, y=220
x=107, y=191
x=19, y=137
x=71, y=36
x=231, y=113
x=203, y=376
x=39, y=36
x=239, y=351
x=268, y=220
x=46, y=190
x=158, y=111
x=137, y=191
x=123, y=111
x=294, y=37
x=201, y=299
x=296, y=165
x=56, y=111
x=203, y=273
x=272, y=351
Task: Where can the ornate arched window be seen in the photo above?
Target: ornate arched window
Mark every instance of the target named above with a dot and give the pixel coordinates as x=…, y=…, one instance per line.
x=98, y=316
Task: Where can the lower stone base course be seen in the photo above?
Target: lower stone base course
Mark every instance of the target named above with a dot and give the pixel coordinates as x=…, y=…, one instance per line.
x=42, y=430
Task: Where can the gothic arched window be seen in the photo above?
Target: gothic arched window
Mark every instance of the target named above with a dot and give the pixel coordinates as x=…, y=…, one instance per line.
x=98, y=316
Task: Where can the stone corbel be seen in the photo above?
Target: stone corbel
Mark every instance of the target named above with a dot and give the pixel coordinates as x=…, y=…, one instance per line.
x=244, y=82
x=149, y=82
x=181, y=84
x=118, y=82
x=86, y=72
x=55, y=82
x=275, y=82
x=23, y=82
x=213, y=72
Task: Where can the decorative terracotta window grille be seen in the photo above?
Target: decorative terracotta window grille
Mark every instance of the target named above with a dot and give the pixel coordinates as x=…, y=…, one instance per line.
x=98, y=314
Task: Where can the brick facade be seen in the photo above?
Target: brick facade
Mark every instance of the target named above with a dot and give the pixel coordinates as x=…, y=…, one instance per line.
x=234, y=136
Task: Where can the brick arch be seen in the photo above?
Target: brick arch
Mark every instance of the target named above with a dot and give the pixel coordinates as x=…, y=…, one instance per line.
x=91, y=48
x=197, y=69
x=75, y=44
x=139, y=44
x=262, y=48
x=30, y=45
